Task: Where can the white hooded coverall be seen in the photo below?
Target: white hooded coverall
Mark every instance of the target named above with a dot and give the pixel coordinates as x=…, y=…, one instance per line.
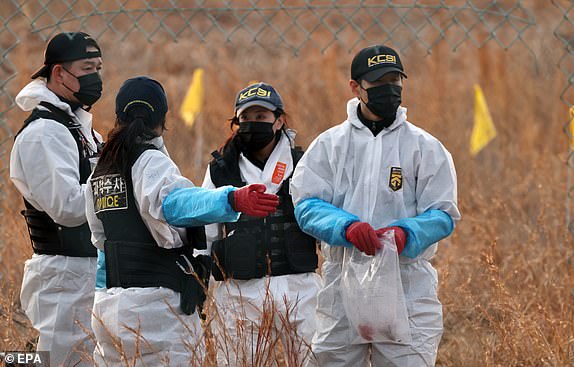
x=148, y=321
x=345, y=176
x=240, y=302
x=57, y=291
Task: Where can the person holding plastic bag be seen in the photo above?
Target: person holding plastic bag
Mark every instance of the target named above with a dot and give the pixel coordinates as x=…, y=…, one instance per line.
x=135, y=199
x=261, y=265
x=377, y=175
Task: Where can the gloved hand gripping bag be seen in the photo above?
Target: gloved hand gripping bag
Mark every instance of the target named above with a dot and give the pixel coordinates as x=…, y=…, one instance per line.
x=373, y=296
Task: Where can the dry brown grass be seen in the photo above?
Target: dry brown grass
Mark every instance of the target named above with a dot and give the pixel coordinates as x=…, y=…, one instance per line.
x=506, y=274
x=268, y=338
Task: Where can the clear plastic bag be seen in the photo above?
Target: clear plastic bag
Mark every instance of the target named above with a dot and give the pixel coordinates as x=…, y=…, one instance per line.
x=373, y=296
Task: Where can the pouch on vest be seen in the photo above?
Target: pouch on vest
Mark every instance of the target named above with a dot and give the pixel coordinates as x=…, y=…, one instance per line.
x=193, y=293
x=218, y=256
x=300, y=249
x=237, y=254
x=196, y=237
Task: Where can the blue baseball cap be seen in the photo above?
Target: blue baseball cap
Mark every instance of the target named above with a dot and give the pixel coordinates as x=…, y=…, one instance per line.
x=259, y=94
x=141, y=91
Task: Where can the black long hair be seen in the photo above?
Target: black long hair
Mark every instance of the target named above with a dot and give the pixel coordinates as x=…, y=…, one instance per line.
x=125, y=138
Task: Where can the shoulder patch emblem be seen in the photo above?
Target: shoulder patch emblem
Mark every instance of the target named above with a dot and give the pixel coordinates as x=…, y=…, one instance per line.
x=396, y=178
x=110, y=193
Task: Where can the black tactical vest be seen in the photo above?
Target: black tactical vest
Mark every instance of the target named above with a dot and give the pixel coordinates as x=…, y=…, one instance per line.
x=48, y=237
x=133, y=258
x=255, y=247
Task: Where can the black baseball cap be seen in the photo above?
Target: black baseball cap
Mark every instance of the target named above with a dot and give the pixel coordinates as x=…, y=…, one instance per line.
x=373, y=62
x=141, y=91
x=66, y=47
x=259, y=94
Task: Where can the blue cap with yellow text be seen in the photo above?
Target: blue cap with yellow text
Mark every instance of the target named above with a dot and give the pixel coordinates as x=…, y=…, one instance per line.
x=259, y=94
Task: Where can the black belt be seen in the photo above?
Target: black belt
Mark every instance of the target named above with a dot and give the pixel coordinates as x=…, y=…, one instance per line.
x=136, y=264
x=49, y=238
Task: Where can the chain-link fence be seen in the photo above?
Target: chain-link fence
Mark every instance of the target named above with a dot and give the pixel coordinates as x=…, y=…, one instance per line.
x=564, y=31
x=294, y=23
x=299, y=25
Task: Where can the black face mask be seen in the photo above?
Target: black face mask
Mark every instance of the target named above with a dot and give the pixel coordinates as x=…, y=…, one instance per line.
x=90, y=88
x=384, y=100
x=255, y=135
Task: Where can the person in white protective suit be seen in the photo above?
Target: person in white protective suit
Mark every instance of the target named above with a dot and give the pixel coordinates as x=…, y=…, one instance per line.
x=263, y=267
x=151, y=284
x=49, y=164
x=375, y=172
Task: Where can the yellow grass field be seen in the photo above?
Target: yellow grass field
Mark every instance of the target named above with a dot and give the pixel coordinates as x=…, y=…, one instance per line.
x=506, y=274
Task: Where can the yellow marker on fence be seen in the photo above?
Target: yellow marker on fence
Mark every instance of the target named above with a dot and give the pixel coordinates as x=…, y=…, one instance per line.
x=571, y=127
x=483, y=130
x=193, y=100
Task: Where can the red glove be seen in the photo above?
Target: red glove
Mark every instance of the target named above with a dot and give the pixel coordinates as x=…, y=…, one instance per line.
x=252, y=200
x=363, y=237
x=400, y=236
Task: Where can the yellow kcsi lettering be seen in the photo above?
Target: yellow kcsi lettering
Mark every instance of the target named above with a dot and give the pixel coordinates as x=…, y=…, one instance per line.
x=255, y=91
x=107, y=202
x=381, y=59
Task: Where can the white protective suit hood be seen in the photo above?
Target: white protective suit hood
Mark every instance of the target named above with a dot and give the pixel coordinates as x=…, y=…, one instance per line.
x=37, y=91
x=353, y=118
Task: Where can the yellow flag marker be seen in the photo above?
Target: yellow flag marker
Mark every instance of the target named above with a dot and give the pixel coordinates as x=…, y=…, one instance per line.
x=571, y=127
x=483, y=131
x=193, y=100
